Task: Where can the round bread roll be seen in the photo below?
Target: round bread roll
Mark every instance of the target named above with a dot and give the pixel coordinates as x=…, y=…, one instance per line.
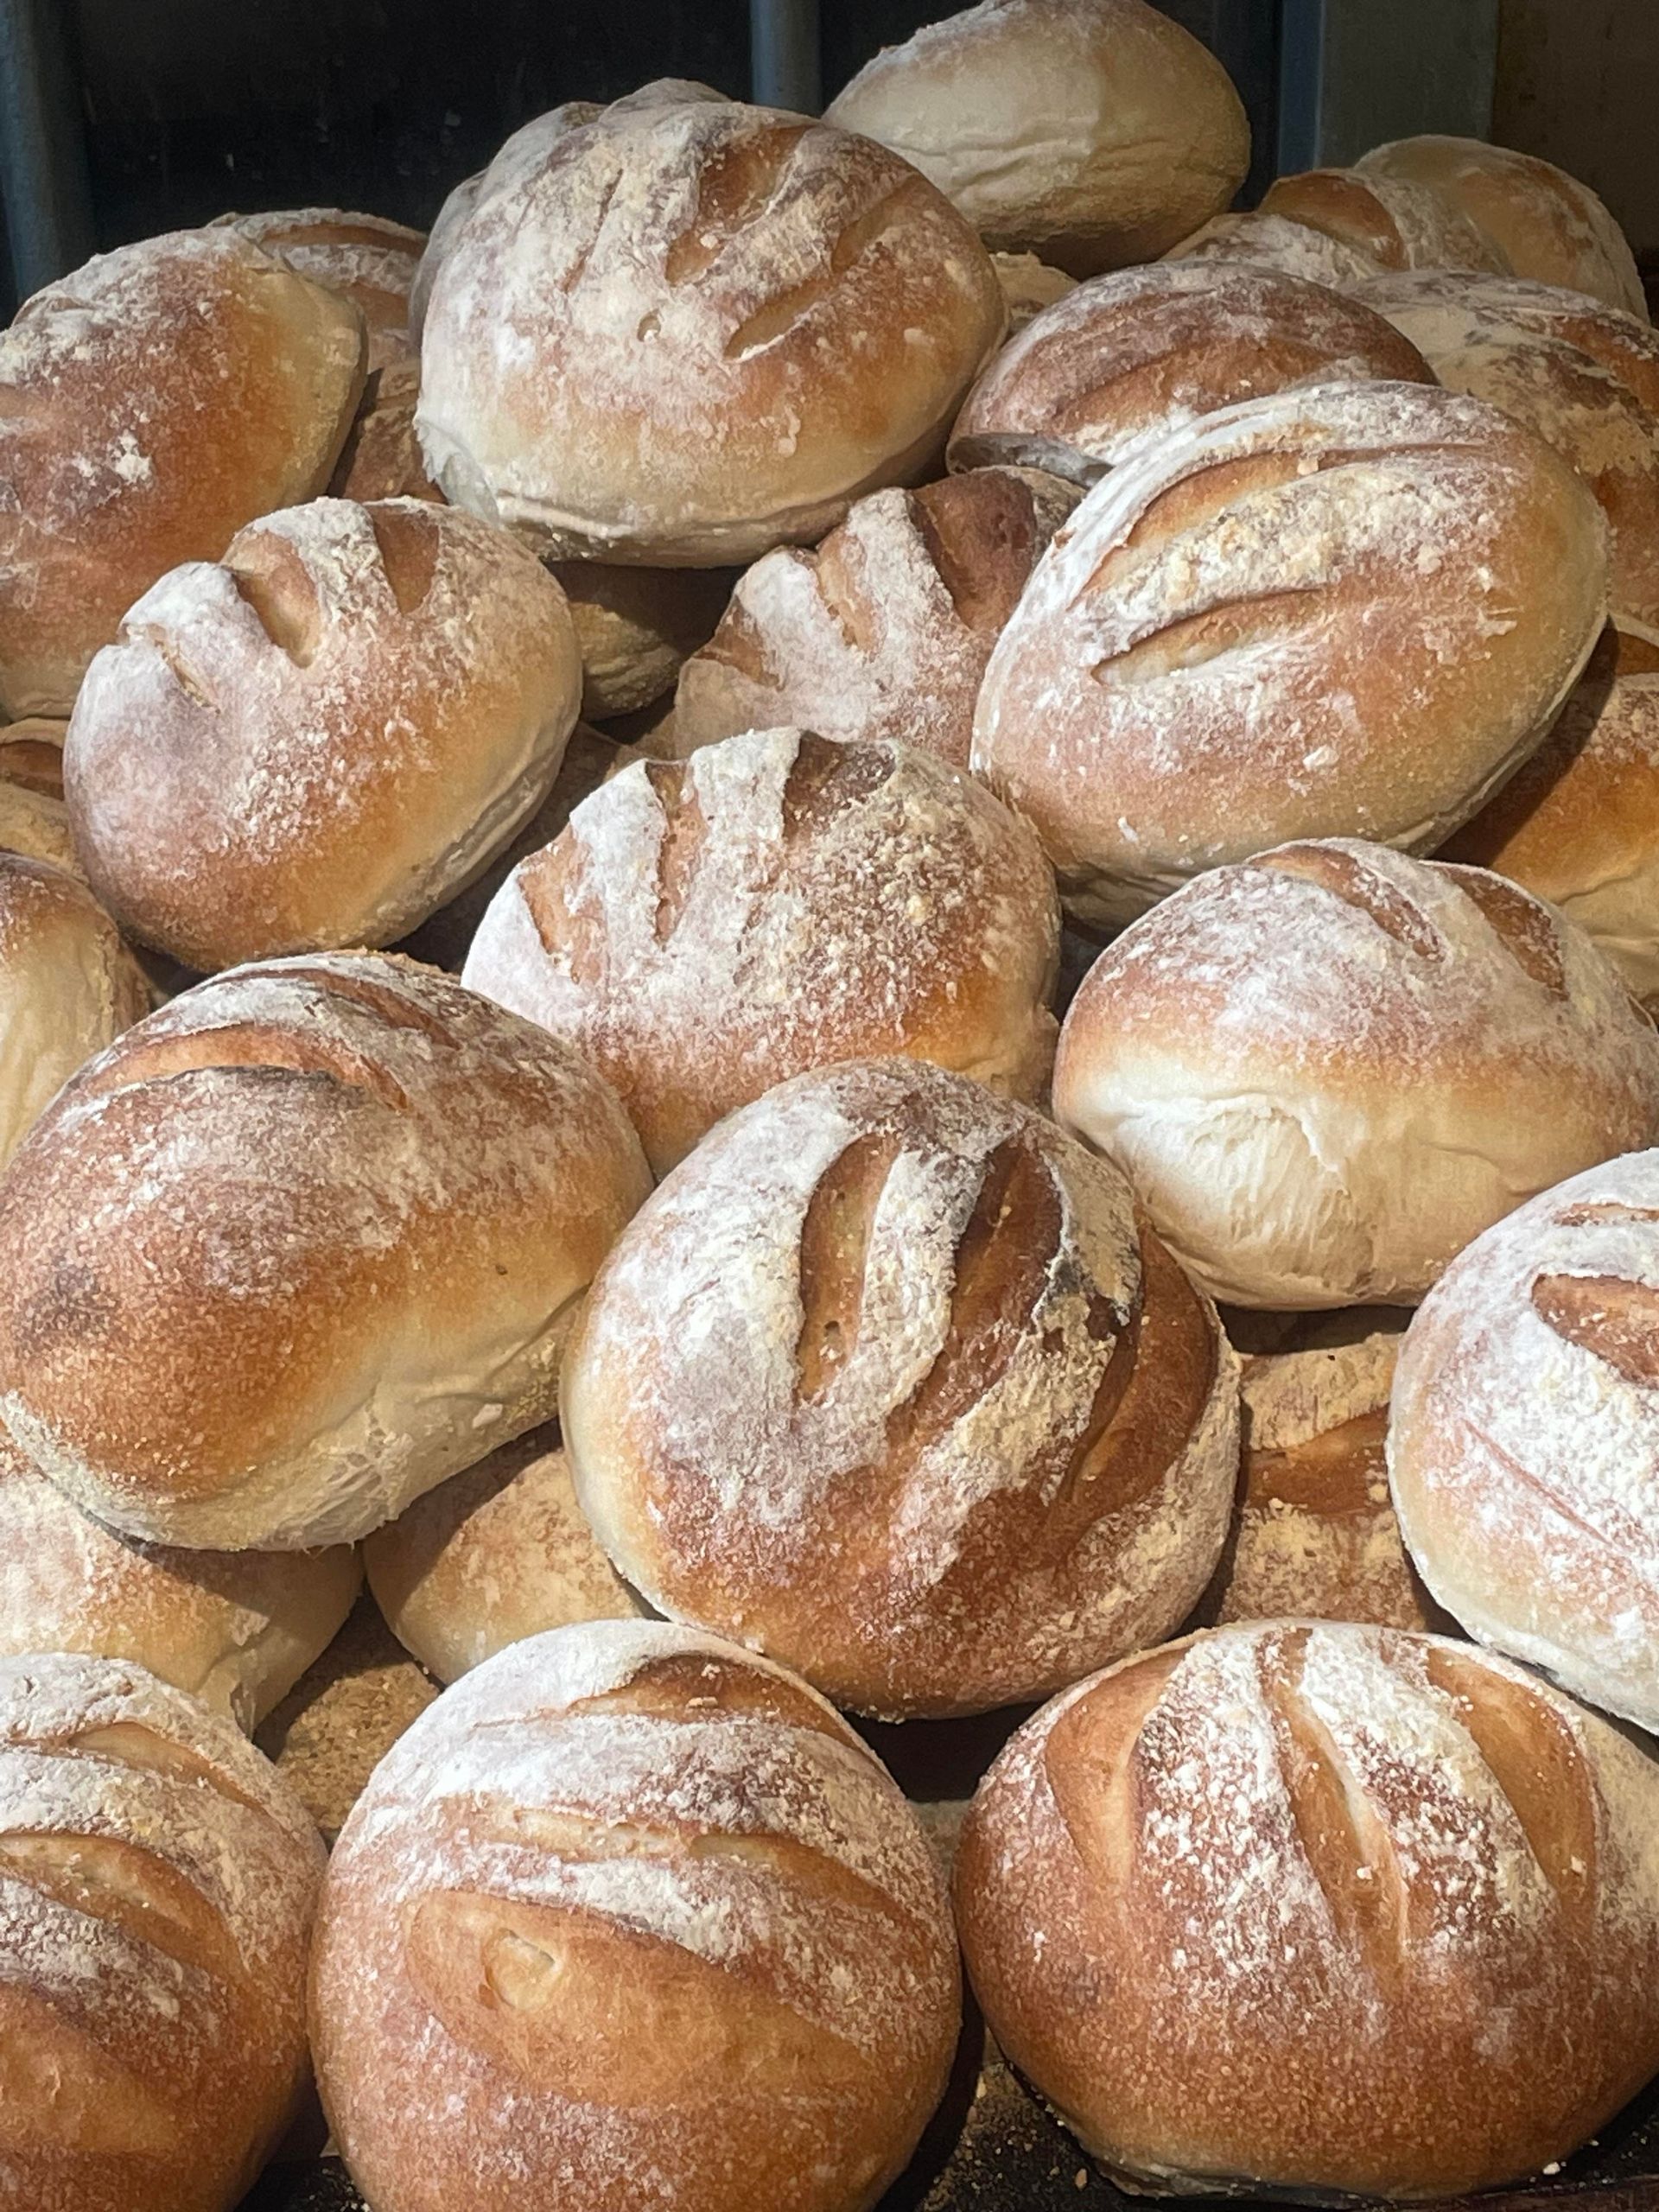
x=300, y=1246
x=1091, y=132
x=1543, y=223
x=1393, y=221
x=695, y=330
x=705, y=928
x=883, y=630
x=1318, y=1906
x=891, y=1382
x=36, y=825
x=157, y=1884
x=634, y=627
x=497, y=1553
x=1525, y=1432
x=151, y=404
x=1349, y=611
x=1325, y=1070
x=628, y=1912
x=31, y=754
x=1028, y=286
x=321, y=739
x=1121, y=362
x=1270, y=241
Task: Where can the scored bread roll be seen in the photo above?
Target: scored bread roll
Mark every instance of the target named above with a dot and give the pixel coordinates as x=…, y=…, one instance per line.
x=157, y=1884
x=627, y=1903
x=1325, y=1070
x=1393, y=221
x=297, y=1248
x=1525, y=1432
x=1091, y=132
x=1353, y=610
x=884, y=630
x=1267, y=241
x=890, y=1382
x=318, y=739
x=1127, y=358
x=1318, y=1906
x=635, y=626
x=1028, y=286
x=704, y=928
x=150, y=403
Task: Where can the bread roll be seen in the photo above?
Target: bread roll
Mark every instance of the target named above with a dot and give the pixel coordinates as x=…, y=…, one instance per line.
x=497, y=1553
x=318, y=740
x=883, y=630
x=1321, y=1907
x=1125, y=361
x=1524, y=1434
x=36, y=825
x=1393, y=221
x=1270, y=241
x=629, y=1911
x=635, y=626
x=697, y=330
x=300, y=1246
x=31, y=754
x=151, y=404
x=705, y=928
x=891, y=1381
x=1327, y=1070
x=1028, y=286
x=158, y=1883
x=1092, y=133
x=1349, y=611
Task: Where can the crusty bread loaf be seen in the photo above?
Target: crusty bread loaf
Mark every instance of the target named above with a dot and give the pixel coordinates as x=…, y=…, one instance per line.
x=1348, y=611
x=150, y=403
x=1128, y=359
x=891, y=1381
x=692, y=329
x=628, y=1911
x=1318, y=1906
x=1092, y=133
x=1268, y=241
x=1525, y=1432
x=158, y=1883
x=705, y=928
x=1325, y=1070
x=1028, y=286
x=300, y=1246
x=1392, y=221
x=34, y=820
x=884, y=630
x=634, y=627
x=318, y=739
x=31, y=754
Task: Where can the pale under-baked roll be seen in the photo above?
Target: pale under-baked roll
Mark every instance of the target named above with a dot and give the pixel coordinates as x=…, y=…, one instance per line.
x=891, y=1382
x=1525, y=1433
x=629, y=1915
x=1394, y=221
x=1350, y=611
x=1092, y=133
x=1028, y=286
x=1267, y=241
x=150, y=403
x=884, y=630
x=705, y=928
x=1325, y=1070
x=635, y=626
x=318, y=739
x=297, y=1248
x=1319, y=1906
x=157, y=1884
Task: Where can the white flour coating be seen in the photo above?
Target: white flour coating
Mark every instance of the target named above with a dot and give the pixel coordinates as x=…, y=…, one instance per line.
x=1294, y=1396
x=1270, y=241
x=1399, y=224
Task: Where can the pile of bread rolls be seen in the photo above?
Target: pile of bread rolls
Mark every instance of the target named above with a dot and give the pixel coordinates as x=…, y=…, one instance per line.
x=1058, y=1104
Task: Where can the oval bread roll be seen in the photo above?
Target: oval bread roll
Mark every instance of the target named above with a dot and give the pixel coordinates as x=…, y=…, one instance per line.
x=1393, y=221
x=1268, y=241
x=634, y=627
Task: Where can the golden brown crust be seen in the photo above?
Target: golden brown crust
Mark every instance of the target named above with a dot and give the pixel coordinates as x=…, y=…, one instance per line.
x=1395, y=223
x=635, y=626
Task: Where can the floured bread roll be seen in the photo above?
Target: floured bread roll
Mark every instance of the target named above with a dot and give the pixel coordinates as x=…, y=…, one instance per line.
x=884, y=630
x=635, y=626
x=1525, y=1433
x=1352, y=610
x=1394, y=221
x=704, y=928
x=891, y=1381
x=157, y=1884
x=300, y=1246
x=31, y=755
x=1327, y=1070
x=1028, y=286
x=1320, y=1907
x=1267, y=241
x=630, y=1910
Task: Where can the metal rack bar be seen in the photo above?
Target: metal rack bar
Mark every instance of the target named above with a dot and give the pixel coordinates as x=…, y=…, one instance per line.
x=43, y=177
x=784, y=66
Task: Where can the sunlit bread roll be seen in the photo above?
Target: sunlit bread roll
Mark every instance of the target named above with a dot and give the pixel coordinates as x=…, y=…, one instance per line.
x=705, y=928
x=1091, y=132
x=1350, y=611
x=1267, y=241
x=300, y=1246
x=150, y=403
x=697, y=330
x=635, y=626
x=1028, y=286
x=318, y=739
x=884, y=630
x=1395, y=222
x=628, y=1909
x=1325, y=1070
x=1128, y=359
x=157, y=1884
x=891, y=1382
x=1319, y=1906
